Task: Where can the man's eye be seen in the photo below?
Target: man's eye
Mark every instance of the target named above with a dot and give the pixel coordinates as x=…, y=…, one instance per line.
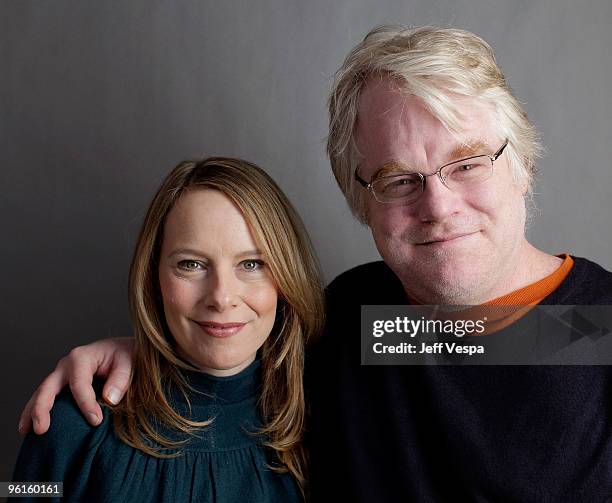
x=401, y=181
x=189, y=265
x=468, y=171
x=252, y=265
x=400, y=186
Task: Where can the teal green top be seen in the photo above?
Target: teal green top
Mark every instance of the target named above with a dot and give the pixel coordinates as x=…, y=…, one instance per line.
x=225, y=463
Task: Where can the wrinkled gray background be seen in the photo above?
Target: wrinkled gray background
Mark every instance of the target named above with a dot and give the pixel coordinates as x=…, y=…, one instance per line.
x=99, y=100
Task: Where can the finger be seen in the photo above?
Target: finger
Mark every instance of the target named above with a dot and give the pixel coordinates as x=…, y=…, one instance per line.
x=39, y=406
x=81, y=377
x=25, y=419
x=118, y=378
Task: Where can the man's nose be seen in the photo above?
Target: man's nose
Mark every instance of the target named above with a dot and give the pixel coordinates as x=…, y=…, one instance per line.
x=221, y=290
x=437, y=201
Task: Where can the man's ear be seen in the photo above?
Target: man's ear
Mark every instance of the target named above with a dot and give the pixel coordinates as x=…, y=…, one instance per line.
x=366, y=217
x=525, y=185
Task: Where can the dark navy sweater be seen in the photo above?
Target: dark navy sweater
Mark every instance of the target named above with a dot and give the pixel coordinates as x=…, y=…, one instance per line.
x=455, y=434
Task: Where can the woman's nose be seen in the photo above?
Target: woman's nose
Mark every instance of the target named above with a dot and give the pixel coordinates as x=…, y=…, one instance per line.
x=221, y=291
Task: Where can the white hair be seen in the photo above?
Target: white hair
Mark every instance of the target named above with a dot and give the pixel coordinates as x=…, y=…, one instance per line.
x=436, y=65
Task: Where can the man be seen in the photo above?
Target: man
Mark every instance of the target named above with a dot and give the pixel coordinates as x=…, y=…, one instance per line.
x=436, y=156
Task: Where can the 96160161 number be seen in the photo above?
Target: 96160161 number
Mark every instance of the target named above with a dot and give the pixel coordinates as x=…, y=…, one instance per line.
x=40, y=489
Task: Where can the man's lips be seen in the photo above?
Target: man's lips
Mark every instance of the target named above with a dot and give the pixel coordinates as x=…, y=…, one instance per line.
x=220, y=329
x=446, y=238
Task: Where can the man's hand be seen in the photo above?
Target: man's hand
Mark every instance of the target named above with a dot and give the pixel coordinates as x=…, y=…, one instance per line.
x=110, y=358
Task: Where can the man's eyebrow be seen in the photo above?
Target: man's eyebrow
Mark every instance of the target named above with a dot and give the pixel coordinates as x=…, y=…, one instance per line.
x=391, y=168
x=465, y=149
x=468, y=148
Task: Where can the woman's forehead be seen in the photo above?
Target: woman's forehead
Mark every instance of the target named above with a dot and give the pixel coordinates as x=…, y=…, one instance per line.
x=207, y=218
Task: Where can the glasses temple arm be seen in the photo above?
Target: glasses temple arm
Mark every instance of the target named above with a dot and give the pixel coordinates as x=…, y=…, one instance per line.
x=361, y=180
x=496, y=154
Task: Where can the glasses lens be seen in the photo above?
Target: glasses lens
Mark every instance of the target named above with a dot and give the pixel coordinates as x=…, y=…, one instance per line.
x=397, y=187
x=468, y=172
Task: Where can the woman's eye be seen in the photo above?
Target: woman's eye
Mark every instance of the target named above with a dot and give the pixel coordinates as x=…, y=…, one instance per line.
x=252, y=265
x=189, y=265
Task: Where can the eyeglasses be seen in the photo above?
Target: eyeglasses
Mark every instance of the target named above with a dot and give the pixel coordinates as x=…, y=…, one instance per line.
x=456, y=175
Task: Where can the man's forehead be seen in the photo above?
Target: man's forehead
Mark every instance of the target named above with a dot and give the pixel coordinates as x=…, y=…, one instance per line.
x=385, y=104
x=381, y=94
x=397, y=132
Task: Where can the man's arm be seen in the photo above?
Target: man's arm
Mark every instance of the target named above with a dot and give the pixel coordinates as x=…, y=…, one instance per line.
x=108, y=358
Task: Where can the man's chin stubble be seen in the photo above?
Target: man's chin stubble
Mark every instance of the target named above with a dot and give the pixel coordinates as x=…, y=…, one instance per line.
x=439, y=288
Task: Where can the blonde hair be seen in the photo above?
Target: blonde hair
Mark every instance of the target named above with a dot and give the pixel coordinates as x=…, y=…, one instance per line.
x=280, y=234
x=436, y=65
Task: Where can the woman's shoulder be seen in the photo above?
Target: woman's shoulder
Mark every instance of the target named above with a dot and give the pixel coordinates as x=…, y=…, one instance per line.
x=68, y=421
x=69, y=430
x=69, y=441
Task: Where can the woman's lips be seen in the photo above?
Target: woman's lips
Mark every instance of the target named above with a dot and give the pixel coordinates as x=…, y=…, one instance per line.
x=220, y=329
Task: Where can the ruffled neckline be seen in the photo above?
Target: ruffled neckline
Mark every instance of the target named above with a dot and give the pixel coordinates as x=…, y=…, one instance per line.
x=231, y=389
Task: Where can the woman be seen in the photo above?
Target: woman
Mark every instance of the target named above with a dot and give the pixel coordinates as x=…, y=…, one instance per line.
x=224, y=292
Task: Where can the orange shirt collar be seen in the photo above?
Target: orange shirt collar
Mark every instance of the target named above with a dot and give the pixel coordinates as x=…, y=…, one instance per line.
x=536, y=292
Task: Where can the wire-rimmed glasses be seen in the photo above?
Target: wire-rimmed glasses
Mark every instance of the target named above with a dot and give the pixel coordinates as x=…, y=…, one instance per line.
x=456, y=175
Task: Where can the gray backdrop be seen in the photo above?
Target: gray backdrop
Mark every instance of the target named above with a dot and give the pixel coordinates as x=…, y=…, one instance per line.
x=99, y=100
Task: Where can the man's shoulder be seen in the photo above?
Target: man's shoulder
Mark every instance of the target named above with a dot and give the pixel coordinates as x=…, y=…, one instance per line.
x=371, y=270
x=587, y=283
x=592, y=267
x=370, y=283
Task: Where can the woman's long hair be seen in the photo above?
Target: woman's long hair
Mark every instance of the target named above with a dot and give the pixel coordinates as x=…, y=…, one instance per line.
x=280, y=234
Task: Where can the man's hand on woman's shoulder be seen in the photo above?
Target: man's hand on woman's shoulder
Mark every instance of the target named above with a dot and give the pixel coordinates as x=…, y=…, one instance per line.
x=107, y=358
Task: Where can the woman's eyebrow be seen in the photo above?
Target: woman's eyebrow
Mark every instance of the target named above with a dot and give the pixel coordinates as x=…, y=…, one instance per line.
x=198, y=253
x=249, y=253
x=186, y=251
